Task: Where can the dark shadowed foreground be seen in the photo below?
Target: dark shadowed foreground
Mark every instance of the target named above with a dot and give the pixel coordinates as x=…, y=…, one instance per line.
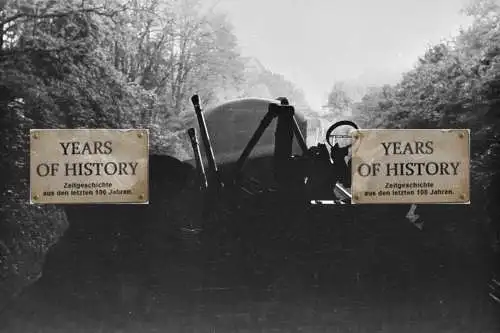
x=348, y=269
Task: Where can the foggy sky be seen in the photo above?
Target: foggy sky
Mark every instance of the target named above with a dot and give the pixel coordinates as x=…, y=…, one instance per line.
x=313, y=43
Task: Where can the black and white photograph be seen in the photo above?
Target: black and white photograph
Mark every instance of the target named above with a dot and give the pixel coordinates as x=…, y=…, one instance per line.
x=207, y=166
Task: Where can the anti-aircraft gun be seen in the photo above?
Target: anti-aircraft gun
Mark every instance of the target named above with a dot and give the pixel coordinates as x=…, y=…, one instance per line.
x=252, y=146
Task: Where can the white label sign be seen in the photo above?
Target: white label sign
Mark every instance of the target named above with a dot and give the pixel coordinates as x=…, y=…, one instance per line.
x=74, y=166
x=411, y=166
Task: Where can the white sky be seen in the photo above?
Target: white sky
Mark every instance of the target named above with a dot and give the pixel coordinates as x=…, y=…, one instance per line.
x=316, y=42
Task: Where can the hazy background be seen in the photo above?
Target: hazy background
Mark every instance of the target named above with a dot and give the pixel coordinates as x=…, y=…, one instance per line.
x=314, y=43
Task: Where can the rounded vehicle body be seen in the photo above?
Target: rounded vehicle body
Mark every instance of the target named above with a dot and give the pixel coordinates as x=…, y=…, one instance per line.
x=232, y=124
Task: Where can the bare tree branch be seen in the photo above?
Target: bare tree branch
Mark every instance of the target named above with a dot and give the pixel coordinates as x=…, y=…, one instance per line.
x=96, y=10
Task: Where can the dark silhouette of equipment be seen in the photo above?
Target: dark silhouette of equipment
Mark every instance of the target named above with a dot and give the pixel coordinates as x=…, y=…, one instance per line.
x=212, y=165
x=339, y=154
x=314, y=174
x=197, y=155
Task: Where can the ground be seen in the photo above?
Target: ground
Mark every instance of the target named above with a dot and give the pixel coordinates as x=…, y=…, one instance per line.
x=350, y=269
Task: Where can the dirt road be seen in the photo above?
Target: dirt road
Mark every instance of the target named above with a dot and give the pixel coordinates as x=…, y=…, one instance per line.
x=324, y=270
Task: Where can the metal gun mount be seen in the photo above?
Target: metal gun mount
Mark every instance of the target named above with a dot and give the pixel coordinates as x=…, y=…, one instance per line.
x=320, y=174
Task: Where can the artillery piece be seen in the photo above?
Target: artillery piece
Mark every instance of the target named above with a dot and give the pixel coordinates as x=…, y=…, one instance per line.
x=244, y=151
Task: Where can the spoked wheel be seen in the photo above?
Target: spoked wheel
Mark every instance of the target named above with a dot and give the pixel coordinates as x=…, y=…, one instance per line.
x=338, y=137
x=340, y=133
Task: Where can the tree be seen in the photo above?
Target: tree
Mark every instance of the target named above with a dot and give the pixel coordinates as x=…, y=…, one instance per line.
x=339, y=101
x=86, y=63
x=261, y=82
x=53, y=74
x=176, y=50
x=454, y=84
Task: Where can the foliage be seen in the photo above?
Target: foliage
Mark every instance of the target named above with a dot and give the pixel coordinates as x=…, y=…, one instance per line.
x=339, y=102
x=454, y=84
x=261, y=82
x=105, y=64
x=26, y=231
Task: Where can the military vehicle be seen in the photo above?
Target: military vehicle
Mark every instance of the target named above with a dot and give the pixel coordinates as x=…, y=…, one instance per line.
x=259, y=146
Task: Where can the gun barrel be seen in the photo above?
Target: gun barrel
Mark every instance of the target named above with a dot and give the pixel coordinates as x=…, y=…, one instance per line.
x=212, y=165
x=197, y=156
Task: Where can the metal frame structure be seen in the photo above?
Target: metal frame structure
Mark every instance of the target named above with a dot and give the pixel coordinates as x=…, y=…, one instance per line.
x=287, y=129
